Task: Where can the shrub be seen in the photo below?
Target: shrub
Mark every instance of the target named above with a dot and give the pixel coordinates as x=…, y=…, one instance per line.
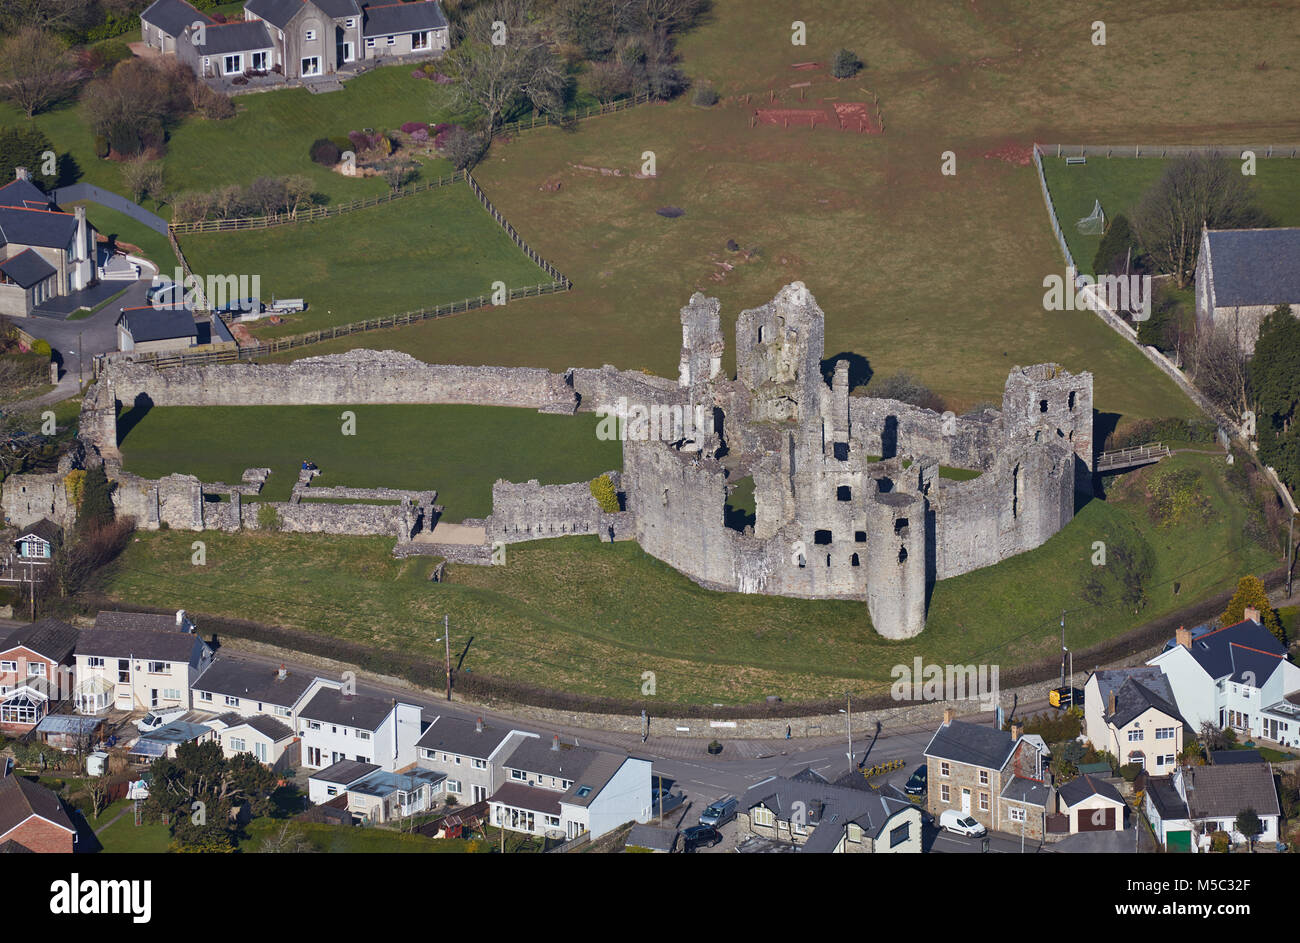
x=845, y=64
x=42, y=347
x=1129, y=771
x=602, y=489
x=706, y=96
x=324, y=152
x=420, y=135
x=462, y=148
x=268, y=518
x=101, y=146
x=341, y=142
x=1220, y=842
x=411, y=127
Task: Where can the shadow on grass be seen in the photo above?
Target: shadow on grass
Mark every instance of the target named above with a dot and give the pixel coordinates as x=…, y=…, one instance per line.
x=132, y=417
x=860, y=371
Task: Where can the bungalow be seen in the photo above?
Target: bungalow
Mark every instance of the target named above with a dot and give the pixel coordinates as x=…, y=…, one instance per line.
x=166, y=739
x=333, y=781
x=165, y=21
x=37, y=543
x=44, y=252
x=1131, y=714
x=335, y=726
x=384, y=796
x=470, y=753
x=32, y=817
x=998, y=777
x=1187, y=808
x=271, y=741
x=136, y=661
x=404, y=29
x=1235, y=677
x=564, y=790
x=820, y=818
x=250, y=689
x=146, y=328
x=1091, y=804
x=1242, y=275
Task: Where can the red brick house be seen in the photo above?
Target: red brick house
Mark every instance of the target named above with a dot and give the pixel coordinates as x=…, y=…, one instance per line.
x=33, y=817
x=37, y=658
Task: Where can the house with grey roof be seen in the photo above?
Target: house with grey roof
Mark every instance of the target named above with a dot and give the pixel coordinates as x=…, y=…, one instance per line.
x=272, y=742
x=336, y=725
x=562, y=790
x=1092, y=804
x=331, y=782
x=37, y=542
x=1187, y=808
x=1242, y=275
x=820, y=818
x=134, y=661
x=164, y=21
x=251, y=688
x=1238, y=676
x=44, y=252
x=147, y=329
x=1131, y=713
x=998, y=777
x=471, y=754
x=311, y=40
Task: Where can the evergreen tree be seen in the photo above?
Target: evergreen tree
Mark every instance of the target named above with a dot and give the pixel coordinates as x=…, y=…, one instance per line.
x=96, y=501
x=1275, y=383
x=1114, y=249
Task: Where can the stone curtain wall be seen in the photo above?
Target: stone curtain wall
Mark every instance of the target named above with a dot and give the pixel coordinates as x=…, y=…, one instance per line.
x=529, y=511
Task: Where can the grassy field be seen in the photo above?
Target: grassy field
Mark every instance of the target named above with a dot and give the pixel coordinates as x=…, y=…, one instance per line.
x=125, y=837
x=435, y=247
x=577, y=614
x=940, y=276
x=269, y=135
x=348, y=839
x=123, y=229
x=1121, y=182
x=459, y=451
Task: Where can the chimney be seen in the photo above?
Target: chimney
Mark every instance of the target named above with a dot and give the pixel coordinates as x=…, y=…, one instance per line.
x=20, y=173
x=1110, y=702
x=180, y=613
x=1183, y=636
x=478, y=725
x=949, y=715
x=555, y=742
x=1251, y=614
x=1017, y=729
x=282, y=673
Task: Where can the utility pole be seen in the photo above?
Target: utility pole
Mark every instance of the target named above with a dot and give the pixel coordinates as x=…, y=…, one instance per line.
x=31, y=585
x=446, y=637
x=1290, y=552
x=79, y=333
x=1063, y=649
x=848, y=717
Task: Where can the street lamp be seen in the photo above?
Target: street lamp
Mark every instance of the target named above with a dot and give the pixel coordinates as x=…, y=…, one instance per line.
x=848, y=725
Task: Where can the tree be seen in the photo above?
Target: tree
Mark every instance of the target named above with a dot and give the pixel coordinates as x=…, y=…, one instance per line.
x=1118, y=248
x=398, y=173
x=906, y=388
x=25, y=147
x=845, y=64
x=1251, y=592
x=286, y=840
x=1275, y=383
x=1193, y=192
x=199, y=787
x=464, y=148
x=1213, y=737
x=602, y=489
x=297, y=191
x=268, y=194
x=1249, y=825
x=96, y=501
x=608, y=81
x=1221, y=369
x=144, y=178
x=35, y=70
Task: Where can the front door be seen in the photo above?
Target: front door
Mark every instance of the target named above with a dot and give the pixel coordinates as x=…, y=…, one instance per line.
x=346, y=52
x=965, y=802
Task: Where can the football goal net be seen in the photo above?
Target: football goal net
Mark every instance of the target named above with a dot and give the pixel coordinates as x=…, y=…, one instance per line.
x=1094, y=224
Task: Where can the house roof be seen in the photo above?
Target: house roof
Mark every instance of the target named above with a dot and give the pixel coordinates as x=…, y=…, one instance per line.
x=393, y=18
x=45, y=529
x=1085, y=787
x=27, y=268
x=68, y=724
x=236, y=677
x=36, y=227
x=587, y=786
x=338, y=9
x=462, y=737
x=519, y=796
x=332, y=706
x=536, y=756
x=25, y=194
x=148, y=323
x=276, y=12
x=138, y=643
x=1255, y=266
x=1134, y=698
x=1226, y=757
x=1169, y=804
x=21, y=798
x=382, y=783
x=345, y=772
x=277, y=730
x=50, y=638
x=221, y=38
x=173, y=16
x=972, y=744
x=1234, y=650
x=178, y=731
x=1026, y=790
x=823, y=805
x=1223, y=791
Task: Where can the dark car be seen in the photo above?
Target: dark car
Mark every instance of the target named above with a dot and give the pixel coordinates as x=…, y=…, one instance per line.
x=698, y=835
x=917, y=781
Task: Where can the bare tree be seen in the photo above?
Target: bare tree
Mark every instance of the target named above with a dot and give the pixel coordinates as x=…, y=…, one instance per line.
x=286, y=840
x=35, y=70
x=297, y=191
x=1220, y=369
x=143, y=177
x=1193, y=192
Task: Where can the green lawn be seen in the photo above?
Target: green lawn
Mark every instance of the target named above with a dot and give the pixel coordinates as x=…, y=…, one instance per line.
x=1121, y=182
x=125, y=230
x=578, y=614
x=433, y=248
x=459, y=451
x=357, y=839
x=125, y=837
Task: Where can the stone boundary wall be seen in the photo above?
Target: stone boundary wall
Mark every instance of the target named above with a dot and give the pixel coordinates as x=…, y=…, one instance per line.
x=530, y=511
x=973, y=444
x=480, y=555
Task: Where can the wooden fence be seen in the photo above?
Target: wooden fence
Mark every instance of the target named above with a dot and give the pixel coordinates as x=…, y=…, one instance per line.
x=544, y=121
x=545, y=266
x=1159, y=151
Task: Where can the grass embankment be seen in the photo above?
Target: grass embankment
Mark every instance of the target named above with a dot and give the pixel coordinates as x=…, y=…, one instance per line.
x=582, y=615
x=458, y=451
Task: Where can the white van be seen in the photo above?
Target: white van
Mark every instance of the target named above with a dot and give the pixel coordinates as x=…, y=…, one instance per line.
x=961, y=823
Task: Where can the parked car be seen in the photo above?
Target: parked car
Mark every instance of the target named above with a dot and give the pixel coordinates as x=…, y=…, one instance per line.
x=960, y=822
x=720, y=812
x=917, y=781
x=698, y=835
x=243, y=307
x=155, y=719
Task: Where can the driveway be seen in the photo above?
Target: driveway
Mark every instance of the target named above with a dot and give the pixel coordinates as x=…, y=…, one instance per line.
x=97, y=334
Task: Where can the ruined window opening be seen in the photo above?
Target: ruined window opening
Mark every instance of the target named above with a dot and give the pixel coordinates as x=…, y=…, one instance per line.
x=1015, y=491
x=1071, y=435
x=841, y=451
x=885, y=484
x=902, y=555
x=1060, y=434
x=828, y=559
x=760, y=333
x=1037, y=436
x=844, y=493
x=1042, y=405
x=854, y=561
x=802, y=561
x=860, y=536
x=900, y=525
x=665, y=498
x=822, y=537
x=1072, y=400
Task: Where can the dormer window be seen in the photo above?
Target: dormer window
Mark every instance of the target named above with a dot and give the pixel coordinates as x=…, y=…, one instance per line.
x=309, y=35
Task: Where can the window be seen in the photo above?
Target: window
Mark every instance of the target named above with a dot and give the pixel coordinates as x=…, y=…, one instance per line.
x=1166, y=733
x=157, y=668
x=900, y=834
x=843, y=493
x=583, y=792
x=205, y=696
x=282, y=712
x=453, y=786
x=363, y=735
x=984, y=777
x=1166, y=760
x=237, y=744
x=172, y=694
x=259, y=62
x=311, y=65
x=9, y=667
x=553, y=821
x=945, y=795
x=370, y=44
x=94, y=662
x=480, y=764
x=123, y=671
x=1015, y=814
x=392, y=40
x=36, y=669
x=944, y=769
x=309, y=35
x=517, y=774
x=821, y=537
x=331, y=790
x=313, y=725
x=762, y=816
x=1135, y=735
x=419, y=40
x=232, y=64
x=232, y=701
x=984, y=801
x=351, y=22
